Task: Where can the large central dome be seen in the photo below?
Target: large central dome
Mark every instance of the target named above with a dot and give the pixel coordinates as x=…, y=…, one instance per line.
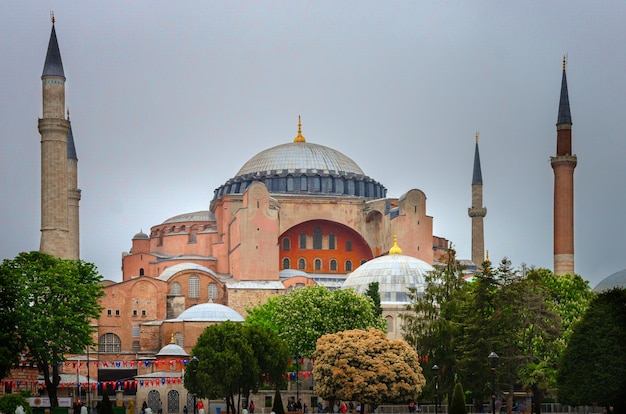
x=300, y=157
x=303, y=168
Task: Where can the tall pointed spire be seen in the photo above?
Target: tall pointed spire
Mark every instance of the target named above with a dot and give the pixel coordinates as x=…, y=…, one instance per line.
x=71, y=148
x=53, y=65
x=299, y=137
x=563, y=165
x=477, y=212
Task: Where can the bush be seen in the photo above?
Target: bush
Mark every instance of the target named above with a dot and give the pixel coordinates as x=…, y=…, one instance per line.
x=457, y=405
x=10, y=402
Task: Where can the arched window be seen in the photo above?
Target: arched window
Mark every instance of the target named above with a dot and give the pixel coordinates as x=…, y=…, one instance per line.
x=318, y=264
x=173, y=402
x=333, y=265
x=301, y=264
x=212, y=291
x=141, y=272
x=286, y=263
x=109, y=343
x=302, y=241
x=194, y=287
x=175, y=288
x=179, y=339
x=286, y=243
x=348, y=266
x=389, y=320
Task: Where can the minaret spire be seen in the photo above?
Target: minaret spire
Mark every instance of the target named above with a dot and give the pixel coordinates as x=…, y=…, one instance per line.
x=563, y=165
x=477, y=212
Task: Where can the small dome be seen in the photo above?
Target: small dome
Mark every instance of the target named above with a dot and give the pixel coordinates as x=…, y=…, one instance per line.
x=141, y=236
x=616, y=280
x=395, y=274
x=210, y=312
x=172, y=350
x=204, y=215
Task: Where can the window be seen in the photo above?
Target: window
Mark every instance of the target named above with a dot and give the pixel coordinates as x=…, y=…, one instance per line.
x=303, y=183
x=117, y=312
x=109, y=343
x=317, y=238
x=173, y=402
x=194, y=287
x=136, y=331
x=389, y=320
x=348, y=266
x=286, y=243
x=333, y=265
x=331, y=242
x=302, y=241
x=317, y=186
x=141, y=272
x=109, y=312
x=144, y=312
x=318, y=264
x=212, y=291
x=348, y=245
x=301, y=264
x=136, y=346
x=175, y=288
x=135, y=312
x=179, y=339
x=286, y=263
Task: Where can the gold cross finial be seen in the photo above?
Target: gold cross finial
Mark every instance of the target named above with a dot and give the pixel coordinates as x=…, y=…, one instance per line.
x=395, y=249
x=299, y=137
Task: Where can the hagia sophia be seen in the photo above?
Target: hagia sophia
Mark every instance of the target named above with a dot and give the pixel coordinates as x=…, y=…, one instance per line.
x=293, y=215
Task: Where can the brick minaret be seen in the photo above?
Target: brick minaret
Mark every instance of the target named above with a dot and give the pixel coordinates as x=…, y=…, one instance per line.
x=563, y=165
x=54, y=129
x=477, y=212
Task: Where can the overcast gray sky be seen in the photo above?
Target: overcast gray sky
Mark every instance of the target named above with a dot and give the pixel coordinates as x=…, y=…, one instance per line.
x=169, y=99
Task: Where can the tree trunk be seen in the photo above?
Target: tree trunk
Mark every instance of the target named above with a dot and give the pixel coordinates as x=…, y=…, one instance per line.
x=51, y=384
x=537, y=399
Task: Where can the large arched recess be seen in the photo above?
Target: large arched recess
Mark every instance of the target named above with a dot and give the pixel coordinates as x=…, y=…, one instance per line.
x=350, y=248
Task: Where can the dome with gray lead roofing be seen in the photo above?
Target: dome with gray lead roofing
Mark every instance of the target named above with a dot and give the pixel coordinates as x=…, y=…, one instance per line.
x=203, y=215
x=141, y=236
x=210, y=312
x=172, y=349
x=615, y=280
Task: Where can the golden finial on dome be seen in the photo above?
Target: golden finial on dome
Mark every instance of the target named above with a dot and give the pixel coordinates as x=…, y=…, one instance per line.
x=564, y=61
x=487, y=258
x=172, y=340
x=299, y=138
x=395, y=249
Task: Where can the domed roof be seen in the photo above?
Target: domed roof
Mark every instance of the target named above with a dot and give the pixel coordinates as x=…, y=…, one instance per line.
x=616, y=280
x=204, y=215
x=395, y=274
x=210, y=312
x=300, y=157
x=172, y=349
x=304, y=168
x=141, y=236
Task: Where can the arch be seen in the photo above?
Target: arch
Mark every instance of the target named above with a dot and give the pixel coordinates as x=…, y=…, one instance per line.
x=301, y=264
x=141, y=272
x=348, y=266
x=173, y=401
x=389, y=320
x=286, y=243
x=317, y=264
x=286, y=263
x=154, y=397
x=212, y=291
x=109, y=343
x=333, y=265
x=193, y=290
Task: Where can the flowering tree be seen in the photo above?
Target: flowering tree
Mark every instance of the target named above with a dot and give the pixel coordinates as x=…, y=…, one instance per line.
x=367, y=367
x=302, y=316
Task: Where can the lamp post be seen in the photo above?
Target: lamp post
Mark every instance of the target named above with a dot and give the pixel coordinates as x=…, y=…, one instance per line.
x=493, y=357
x=194, y=385
x=296, y=360
x=435, y=370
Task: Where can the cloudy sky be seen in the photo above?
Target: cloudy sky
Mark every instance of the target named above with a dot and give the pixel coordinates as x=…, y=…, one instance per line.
x=169, y=99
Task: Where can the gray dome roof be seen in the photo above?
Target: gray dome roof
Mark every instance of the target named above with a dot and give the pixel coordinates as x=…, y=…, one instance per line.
x=395, y=274
x=616, y=280
x=172, y=350
x=204, y=215
x=300, y=157
x=210, y=312
x=141, y=236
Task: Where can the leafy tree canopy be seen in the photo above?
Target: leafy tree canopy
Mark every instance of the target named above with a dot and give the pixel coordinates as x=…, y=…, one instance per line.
x=58, y=299
x=365, y=366
x=593, y=366
x=303, y=315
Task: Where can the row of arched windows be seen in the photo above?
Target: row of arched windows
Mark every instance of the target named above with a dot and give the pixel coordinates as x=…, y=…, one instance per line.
x=317, y=241
x=193, y=290
x=317, y=264
x=110, y=343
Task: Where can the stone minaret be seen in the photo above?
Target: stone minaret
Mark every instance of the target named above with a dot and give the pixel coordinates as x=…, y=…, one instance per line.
x=563, y=165
x=477, y=212
x=73, y=195
x=54, y=129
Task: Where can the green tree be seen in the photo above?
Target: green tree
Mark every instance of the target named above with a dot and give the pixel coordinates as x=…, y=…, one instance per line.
x=593, y=366
x=59, y=298
x=457, y=404
x=374, y=293
x=365, y=366
x=9, y=403
x=303, y=315
x=232, y=359
x=10, y=299
x=429, y=325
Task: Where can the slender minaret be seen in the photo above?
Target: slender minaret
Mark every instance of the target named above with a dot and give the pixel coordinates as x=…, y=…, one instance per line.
x=563, y=165
x=54, y=129
x=477, y=212
x=73, y=195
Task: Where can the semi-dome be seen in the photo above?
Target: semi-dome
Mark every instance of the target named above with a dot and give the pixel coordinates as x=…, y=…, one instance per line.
x=616, y=280
x=395, y=274
x=300, y=167
x=210, y=312
x=203, y=215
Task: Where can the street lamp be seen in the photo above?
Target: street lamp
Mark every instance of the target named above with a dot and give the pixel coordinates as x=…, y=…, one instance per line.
x=493, y=357
x=194, y=378
x=435, y=370
x=296, y=360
